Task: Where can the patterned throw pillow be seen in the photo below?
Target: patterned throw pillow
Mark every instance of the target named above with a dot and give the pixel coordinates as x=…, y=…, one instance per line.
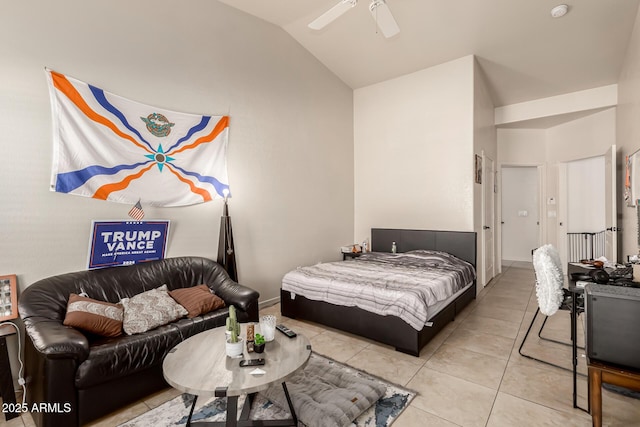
x=197, y=300
x=149, y=310
x=97, y=317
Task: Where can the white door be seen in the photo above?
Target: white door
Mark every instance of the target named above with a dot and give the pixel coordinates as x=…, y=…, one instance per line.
x=611, y=213
x=542, y=209
x=488, y=218
x=562, y=217
x=520, y=212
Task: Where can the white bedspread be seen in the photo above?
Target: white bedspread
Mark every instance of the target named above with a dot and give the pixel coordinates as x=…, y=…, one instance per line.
x=402, y=285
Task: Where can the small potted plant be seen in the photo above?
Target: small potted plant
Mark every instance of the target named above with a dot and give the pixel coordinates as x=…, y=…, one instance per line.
x=258, y=344
x=234, y=344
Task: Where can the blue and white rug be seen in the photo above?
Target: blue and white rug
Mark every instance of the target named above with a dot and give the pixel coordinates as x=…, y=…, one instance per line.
x=175, y=412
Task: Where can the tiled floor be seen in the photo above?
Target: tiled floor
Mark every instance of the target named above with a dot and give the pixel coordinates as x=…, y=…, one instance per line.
x=470, y=374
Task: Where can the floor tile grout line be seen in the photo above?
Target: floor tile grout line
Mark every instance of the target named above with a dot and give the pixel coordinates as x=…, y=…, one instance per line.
x=515, y=343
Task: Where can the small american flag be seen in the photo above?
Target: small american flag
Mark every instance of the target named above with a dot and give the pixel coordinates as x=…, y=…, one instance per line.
x=136, y=211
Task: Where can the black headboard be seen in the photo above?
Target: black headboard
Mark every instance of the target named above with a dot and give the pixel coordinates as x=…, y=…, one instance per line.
x=459, y=243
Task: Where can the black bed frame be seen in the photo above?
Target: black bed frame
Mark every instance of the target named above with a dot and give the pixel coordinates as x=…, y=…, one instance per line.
x=391, y=330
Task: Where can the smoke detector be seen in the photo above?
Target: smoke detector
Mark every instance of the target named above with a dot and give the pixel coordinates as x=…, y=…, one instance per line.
x=559, y=11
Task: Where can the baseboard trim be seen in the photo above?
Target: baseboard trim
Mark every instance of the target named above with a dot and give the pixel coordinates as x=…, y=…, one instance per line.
x=268, y=303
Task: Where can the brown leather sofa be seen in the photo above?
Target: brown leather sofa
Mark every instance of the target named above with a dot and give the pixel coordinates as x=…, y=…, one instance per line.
x=80, y=377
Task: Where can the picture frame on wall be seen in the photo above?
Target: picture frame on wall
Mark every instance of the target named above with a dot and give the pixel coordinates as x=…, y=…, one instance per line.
x=8, y=297
x=478, y=170
x=632, y=179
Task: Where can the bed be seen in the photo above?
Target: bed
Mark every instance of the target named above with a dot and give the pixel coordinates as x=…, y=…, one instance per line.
x=391, y=329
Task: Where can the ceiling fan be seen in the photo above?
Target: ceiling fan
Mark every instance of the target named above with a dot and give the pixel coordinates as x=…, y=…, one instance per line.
x=378, y=8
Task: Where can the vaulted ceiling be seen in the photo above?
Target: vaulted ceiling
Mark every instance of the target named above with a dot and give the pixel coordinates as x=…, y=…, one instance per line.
x=523, y=52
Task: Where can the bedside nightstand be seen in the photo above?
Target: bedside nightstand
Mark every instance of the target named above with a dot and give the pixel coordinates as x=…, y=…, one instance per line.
x=350, y=255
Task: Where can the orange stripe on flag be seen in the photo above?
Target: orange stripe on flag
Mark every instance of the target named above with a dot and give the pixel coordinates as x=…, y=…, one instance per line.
x=222, y=124
x=203, y=193
x=63, y=85
x=104, y=191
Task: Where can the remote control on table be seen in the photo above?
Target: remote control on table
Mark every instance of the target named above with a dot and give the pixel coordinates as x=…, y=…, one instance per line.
x=251, y=362
x=288, y=332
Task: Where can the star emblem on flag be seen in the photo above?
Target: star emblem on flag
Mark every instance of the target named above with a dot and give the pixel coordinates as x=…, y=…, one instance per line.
x=159, y=157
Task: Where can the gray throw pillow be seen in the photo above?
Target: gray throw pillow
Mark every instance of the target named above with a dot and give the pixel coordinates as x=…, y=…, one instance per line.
x=149, y=310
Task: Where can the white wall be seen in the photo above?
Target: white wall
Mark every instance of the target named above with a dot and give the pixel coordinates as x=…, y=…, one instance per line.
x=628, y=130
x=290, y=156
x=584, y=100
x=523, y=147
x=413, y=151
x=484, y=142
x=582, y=138
x=585, y=196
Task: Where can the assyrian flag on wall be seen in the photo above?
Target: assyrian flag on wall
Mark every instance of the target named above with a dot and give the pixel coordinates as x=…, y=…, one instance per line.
x=111, y=148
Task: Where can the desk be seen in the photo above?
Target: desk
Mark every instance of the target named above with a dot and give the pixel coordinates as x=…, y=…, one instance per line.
x=611, y=309
x=6, y=380
x=599, y=373
x=577, y=295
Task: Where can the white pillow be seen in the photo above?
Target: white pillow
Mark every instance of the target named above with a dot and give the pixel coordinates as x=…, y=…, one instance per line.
x=149, y=310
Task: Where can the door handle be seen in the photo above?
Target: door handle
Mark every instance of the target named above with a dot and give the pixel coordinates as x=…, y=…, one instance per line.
x=485, y=227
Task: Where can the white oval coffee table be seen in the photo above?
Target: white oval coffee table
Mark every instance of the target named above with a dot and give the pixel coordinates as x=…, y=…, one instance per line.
x=200, y=366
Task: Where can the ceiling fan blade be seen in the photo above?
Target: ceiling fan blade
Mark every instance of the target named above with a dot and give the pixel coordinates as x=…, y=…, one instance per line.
x=383, y=17
x=332, y=14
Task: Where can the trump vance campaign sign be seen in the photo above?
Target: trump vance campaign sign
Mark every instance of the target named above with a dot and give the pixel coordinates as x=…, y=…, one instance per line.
x=111, y=148
x=115, y=243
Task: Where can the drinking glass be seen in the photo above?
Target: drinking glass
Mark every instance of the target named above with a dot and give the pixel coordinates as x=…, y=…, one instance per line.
x=268, y=327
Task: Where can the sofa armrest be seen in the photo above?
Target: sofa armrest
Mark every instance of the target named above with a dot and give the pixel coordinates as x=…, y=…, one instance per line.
x=242, y=297
x=56, y=341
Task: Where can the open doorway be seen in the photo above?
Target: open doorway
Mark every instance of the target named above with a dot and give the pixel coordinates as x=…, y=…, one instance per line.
x=588, y=210
x=520, y=212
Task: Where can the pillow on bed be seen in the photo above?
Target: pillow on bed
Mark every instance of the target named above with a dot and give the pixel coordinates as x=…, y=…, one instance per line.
x=94, y=316
x=197, y=300
x=428, y=252
x=149, y=310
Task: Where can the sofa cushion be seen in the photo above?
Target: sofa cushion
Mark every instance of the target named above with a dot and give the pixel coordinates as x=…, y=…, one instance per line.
x=115, y=358
x=149, y=310
x=97, y=317
x=197, y=300
x=194, y=325
x=111, y=358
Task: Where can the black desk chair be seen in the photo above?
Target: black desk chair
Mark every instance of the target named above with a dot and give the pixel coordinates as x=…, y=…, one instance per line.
x=551, y=294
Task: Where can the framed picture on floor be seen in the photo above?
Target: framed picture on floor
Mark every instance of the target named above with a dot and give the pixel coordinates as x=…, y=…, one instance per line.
x=8, y=298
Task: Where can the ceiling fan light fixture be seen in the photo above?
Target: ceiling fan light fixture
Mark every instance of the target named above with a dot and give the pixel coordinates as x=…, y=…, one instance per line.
x=379, y=10
x=559, y=11
x=383, y=17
